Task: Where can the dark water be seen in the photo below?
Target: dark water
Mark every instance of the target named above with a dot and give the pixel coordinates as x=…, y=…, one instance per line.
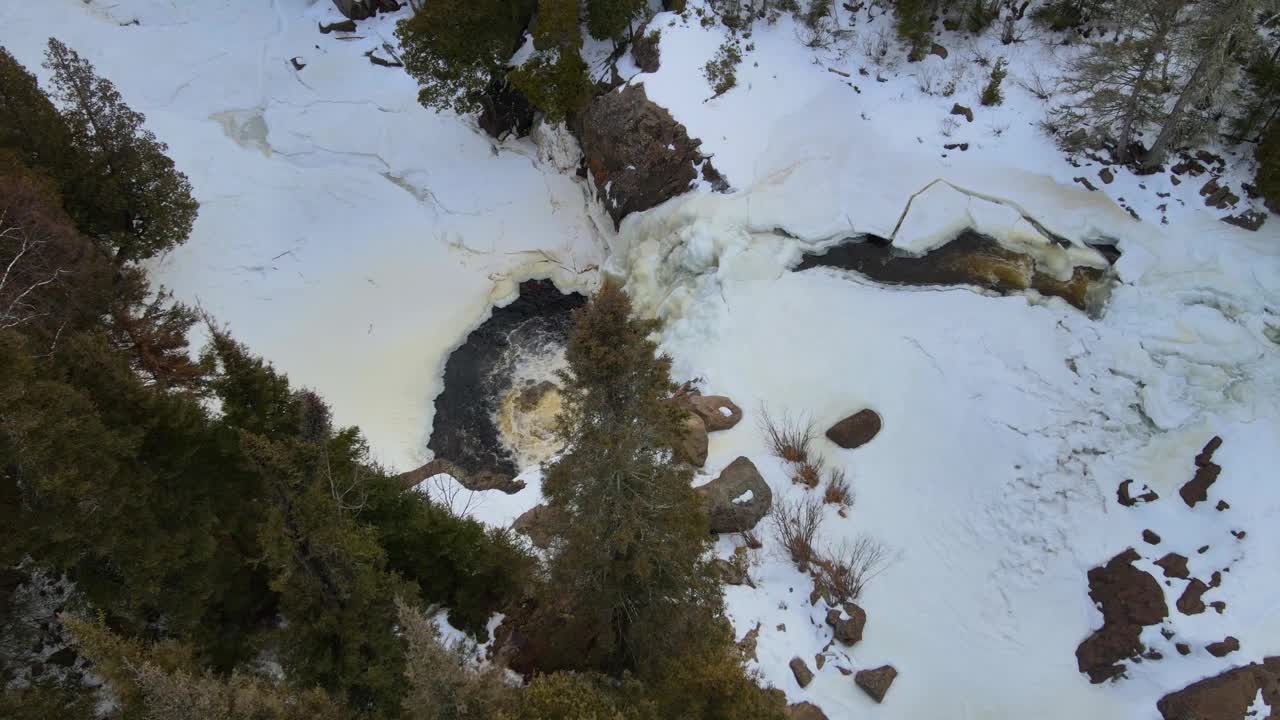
x=479, y=373
x=970, y=259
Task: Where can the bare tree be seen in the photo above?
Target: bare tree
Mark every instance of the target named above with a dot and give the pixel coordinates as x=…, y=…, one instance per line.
x=26, y=273
x=842, y=574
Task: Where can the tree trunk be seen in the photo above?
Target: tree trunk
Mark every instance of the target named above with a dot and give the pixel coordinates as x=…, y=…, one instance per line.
x=1160, y=147
x=1131, y=113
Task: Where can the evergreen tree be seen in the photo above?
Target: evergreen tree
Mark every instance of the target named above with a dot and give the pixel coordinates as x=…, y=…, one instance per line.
x=126, y=191
x=555, y=79
x=1267, y=174
x=1258, y=98
x=1117, y=82
x=611, y=19
x=30, y=126
x=456, y=49
x=631, y=566
x=914, y=24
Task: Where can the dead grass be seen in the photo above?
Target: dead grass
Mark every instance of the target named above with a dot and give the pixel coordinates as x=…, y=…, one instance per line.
x=787, y=437
x=796, y=524
x=808, y=473
x=838, y=491
x=843, y=574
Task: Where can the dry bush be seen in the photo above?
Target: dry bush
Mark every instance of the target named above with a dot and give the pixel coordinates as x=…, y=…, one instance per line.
x=838, y=490
x=808, y=473
x=948, y=126
x=842, y=575
x=927, y=78
x=796, y=524
x=786, y=437
x=751, y=539
x=1036, y=84
x=876, y=46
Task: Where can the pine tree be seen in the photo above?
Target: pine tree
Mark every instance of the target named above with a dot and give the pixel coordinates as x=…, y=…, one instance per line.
x=631, y=567
x=30, y=126
x=555, y=79
x=914, y=23
x=1267, y=175
x=1211, y=33
x=991, y=94
x=611, y=19
x=456, y=49
x=127, y=192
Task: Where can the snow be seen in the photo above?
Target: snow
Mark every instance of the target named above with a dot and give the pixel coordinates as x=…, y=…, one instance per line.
x=345, y=233
x=355, y=238
x=745, y=497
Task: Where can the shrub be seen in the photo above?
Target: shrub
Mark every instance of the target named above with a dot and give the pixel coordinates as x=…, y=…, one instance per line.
x=838, y=491
x=841, y=575
x=441, y=685
x=808, y=473
x=721, y=70
x=645, y=51
x=786, y=437
x=571, y=696
x=991, y=94
x=559, y=87
x=796, y=524
x=1267, y=177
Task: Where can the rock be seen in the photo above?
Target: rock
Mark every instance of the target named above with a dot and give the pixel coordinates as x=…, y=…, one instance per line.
x=1249, y=220
x=340, y=26
x=691, y=446
x=1227, y=696
x=848, y=630
x=1203, y=549
x=1223, y=647
x=1219, y=606
x=506, y=111
x=803, y=675
x=1182, y=648
x=1175, y=180
x=805, y=711
x=66, y=657
x=1174, y=566
x=1085, y=182
x=1106, y=175
x=748, y=642
x=1222, y=505
x=938, y=50
x=956, y=146
x=1197, y=488
x=820, y=660
x=727, y=508
x=1150, y=537
x=646, y=51
x=1126, y=499
x=637, y=154
x=1215, y=580
x=876, y=682
x=959, y=109
x=732, y=573
x=717, y=411
x=1130, y=599
x=361, y=9
x=1218, y=196
x=539, y=524
x=1189, y=603
x=856, y=430
x=297, y=64
x=483, y=480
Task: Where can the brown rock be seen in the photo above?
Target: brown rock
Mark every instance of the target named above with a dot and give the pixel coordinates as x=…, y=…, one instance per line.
x=1127, y=499
x=856, y=430
x=1086, y=183
x=723, y=497
x=1197, y=489
x=1182, y=648
x=876, y=682
x=717, y=411
x=1202, y=549
x=1190, y=603
x=748, y=642
x=1150, y=537
x=732, y=573
x=646, y=51
x=1174, y=566
x=1130, y=599
x=959, y=109
x=692, y=443
x=938, y=50
x=805, y=711
x=637, y=154
x=1106, y=175
x=1251, y=220
x=1226, y=696
x=540, y=524
x=1222, y=505
x=803, y=675
x=1223, y=647
x=820, y=660
x=1219, y=606
x=848, y=630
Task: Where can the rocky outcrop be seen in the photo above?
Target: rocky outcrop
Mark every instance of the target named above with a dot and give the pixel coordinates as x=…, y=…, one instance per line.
x=801, y=671
x=737, y=499
x=638, y=156
x=1130, y=599
x=646, y=50
x=1227, y=696
x=805, y=711
x=856, y=430
x=1223, y=647
x=717, y=411
x=1190, y=602
x=848, y=630
x=361, y=9
x=876, y=682
x=1174, y=566
x=539, y=523
x=1196, y=489
x=691, y=446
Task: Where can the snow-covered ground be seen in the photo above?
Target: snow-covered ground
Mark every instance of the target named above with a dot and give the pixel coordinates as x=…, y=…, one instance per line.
x=354, y=239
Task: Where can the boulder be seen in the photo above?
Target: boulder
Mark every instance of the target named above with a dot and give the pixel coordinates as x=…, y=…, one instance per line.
x=1196, y=489
x=876, y=682
x=1126, y=498
x=637, y=154
x=1130, y=599
x=848, y=630
x=805, y=711
x=1227, y=696
x=717, y=411
x=361, y=9
x=1189, y=603
x=1249, y=220
x=856, y=430
x=646, y=50
x=1223, y=647
x=1150, y=537
x=732, y=573
x=691, y=446
x=804, y=676
x=539, y=524
x=1106, y=175
x=939, y=51
x=737, y=499
x=959, y=109
x=1174, y=566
